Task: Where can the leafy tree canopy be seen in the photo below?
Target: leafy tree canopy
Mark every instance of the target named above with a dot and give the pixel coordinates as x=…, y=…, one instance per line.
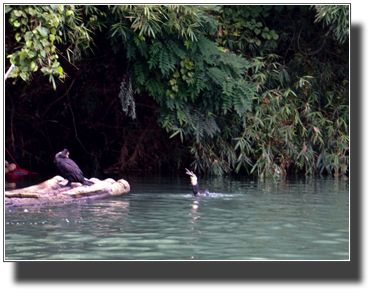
x=259, y=88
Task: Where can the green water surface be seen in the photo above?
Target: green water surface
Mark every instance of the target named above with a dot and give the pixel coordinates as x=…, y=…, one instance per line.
x=294, y=218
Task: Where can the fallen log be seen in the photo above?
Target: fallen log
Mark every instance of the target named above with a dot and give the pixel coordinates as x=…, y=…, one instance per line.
x=51, y=192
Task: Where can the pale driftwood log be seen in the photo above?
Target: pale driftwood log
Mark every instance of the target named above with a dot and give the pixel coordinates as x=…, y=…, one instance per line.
x=50, y=192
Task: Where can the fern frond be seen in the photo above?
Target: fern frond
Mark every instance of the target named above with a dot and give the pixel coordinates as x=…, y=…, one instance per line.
x=156, y=88
x=163, y=62
x=242, y=98
x=130, y=50
x=208, y=49
x=181, y=116
x=217, y=75
x=139, y=72
x=154, y=52
x=144, y=49
x=170, y=103
x=175, y=49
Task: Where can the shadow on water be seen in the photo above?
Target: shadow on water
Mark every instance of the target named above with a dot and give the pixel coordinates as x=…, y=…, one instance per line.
x=296, y=218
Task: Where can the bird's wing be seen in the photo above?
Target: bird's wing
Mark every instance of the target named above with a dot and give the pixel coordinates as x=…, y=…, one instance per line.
x=73, y=169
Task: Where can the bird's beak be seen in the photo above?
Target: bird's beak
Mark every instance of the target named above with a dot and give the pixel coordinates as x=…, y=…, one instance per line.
x=190, y=173
x=193, y=177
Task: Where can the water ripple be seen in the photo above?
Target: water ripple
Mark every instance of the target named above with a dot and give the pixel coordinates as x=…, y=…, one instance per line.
x=243, y=219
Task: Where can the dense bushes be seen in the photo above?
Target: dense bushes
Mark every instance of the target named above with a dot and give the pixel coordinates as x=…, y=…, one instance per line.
x=257, y=88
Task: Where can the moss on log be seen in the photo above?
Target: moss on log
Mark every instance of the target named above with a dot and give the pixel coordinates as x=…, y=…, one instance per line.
x=20, y=195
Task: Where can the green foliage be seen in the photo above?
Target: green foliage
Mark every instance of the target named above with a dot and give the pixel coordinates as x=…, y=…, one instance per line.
x=300, y=120
x=259, y=88
x=39, y=29
x=336, y=17
x=241, y=28
x=215, y=114
x=186, y=21
x=192, y=80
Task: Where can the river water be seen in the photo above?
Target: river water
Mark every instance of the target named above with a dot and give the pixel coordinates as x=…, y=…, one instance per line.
x=244, y=218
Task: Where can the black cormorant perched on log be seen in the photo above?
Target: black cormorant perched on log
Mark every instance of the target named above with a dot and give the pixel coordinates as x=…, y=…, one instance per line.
x=195, y=185
x=69, y=169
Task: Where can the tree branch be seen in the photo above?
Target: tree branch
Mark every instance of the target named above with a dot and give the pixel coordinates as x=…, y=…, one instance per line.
x=66, y=93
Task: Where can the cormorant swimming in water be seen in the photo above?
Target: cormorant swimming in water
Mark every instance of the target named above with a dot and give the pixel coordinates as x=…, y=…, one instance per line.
x=195, y=185
x=69, y=169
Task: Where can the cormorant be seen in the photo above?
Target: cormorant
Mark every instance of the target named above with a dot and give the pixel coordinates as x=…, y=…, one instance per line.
x=195, y=185
x=69, y=169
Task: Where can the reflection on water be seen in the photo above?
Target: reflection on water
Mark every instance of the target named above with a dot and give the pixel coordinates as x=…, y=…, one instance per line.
x=297, y=218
